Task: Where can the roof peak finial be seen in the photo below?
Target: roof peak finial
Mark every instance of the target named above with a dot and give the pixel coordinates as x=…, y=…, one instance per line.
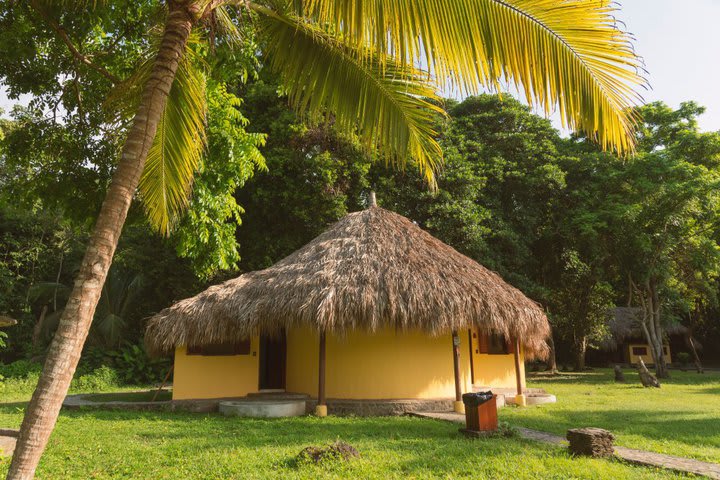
x=372, y=202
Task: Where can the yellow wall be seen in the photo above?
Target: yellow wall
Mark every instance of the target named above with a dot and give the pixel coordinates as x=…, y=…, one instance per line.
x=381, y=365
x=197, y=376
x=301, y=375
x=496, y=371
x=647, y=359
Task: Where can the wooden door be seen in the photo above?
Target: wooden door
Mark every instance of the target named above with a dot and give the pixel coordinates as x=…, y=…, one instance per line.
x=273, y=357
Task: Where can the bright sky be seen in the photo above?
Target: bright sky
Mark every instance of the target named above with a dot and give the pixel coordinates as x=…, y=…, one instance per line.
x=680, y=42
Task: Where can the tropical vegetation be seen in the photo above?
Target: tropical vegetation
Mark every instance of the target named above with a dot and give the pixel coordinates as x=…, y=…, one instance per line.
x=172, y=121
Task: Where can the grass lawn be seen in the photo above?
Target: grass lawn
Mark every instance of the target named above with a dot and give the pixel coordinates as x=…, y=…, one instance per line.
x=681, y=418
x=102, y=444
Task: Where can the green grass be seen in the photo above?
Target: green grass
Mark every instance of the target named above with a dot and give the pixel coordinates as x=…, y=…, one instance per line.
x=681, y=418
x=102, y=444
x=146, y=396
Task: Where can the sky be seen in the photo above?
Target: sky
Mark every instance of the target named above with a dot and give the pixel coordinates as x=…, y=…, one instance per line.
x=680, y=42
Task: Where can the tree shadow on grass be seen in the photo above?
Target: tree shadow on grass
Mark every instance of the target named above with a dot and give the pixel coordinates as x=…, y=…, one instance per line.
x=218, y=431
x=606, y=377
x=404, y=446
x=679, y=426
x=12, y=407
x=711, y=391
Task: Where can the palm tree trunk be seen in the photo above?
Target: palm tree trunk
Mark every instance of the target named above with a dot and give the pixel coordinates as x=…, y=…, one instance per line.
x=64, y=352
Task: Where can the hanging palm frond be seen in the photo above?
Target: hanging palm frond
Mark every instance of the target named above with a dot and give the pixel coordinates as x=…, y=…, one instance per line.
x=570, y=54
x=176, y=153
x=391, y=106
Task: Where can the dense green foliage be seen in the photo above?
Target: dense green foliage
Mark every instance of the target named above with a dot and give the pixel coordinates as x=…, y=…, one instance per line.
x=575, y=229
x=565, y=223
x=315, y=176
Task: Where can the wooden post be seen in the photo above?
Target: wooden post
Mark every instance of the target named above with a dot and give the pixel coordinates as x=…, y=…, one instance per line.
x=459, y=407
x=520, y=399
x=472, y=367
x=321, y=409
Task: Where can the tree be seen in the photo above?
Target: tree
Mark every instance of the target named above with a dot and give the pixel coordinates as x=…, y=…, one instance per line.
x=497, y=191
x=315, y=176
x=654, y=218
x=581, y=302
x=355, y=59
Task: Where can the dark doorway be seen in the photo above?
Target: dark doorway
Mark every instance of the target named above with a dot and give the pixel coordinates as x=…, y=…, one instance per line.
x=273, y=352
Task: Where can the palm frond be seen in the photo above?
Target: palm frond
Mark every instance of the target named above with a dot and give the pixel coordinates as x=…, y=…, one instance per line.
x=570, y=54
x=176, y=153
x=389, y=105
x=225, y=25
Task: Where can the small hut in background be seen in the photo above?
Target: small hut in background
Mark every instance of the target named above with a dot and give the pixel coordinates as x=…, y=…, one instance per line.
x=626, y=342
x=374, y=309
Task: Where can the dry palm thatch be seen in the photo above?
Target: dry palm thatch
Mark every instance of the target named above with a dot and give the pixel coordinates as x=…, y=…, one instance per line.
x=625, y=323
x=372, y=269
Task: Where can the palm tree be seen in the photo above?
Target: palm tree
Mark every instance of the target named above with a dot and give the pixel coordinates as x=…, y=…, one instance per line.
x=360, y=61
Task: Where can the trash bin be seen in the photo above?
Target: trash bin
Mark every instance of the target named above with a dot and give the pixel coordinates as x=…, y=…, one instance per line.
x=480, y=411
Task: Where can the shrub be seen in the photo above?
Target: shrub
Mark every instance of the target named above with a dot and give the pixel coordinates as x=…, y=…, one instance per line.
x=100, y=379
x=135, y=367
x=130, y=363
x=20, y=369
x=683, y=358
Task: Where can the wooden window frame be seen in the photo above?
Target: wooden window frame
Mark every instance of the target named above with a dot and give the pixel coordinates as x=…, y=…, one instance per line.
x=243, y=347
x=493, y=344
x=636, y=349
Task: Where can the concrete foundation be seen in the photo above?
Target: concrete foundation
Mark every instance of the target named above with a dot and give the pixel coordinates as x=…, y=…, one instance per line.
x=532, y=399
x=263, y=408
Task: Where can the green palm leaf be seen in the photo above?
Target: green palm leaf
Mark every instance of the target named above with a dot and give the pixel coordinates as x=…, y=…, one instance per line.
x=568, y=53
x=176, y=153
x=390, y=105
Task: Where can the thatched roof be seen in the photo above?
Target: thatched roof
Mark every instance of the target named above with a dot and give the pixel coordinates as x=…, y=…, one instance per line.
x=625, y=323
x=372, y=269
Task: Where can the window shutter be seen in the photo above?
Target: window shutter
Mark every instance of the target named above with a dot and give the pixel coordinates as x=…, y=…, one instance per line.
x=483, y=343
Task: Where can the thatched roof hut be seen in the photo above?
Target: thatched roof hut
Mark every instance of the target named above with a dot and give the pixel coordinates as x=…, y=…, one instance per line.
x=372, y=269
x=625, y=323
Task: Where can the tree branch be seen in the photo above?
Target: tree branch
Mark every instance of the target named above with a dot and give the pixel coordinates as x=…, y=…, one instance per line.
x=62, y=34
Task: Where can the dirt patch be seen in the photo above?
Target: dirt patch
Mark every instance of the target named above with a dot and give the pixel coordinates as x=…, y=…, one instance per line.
x=335, y=451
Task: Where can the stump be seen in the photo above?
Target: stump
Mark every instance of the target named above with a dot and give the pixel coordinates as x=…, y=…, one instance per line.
x=646, y=378
x=619, y=377
x=591, y=442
